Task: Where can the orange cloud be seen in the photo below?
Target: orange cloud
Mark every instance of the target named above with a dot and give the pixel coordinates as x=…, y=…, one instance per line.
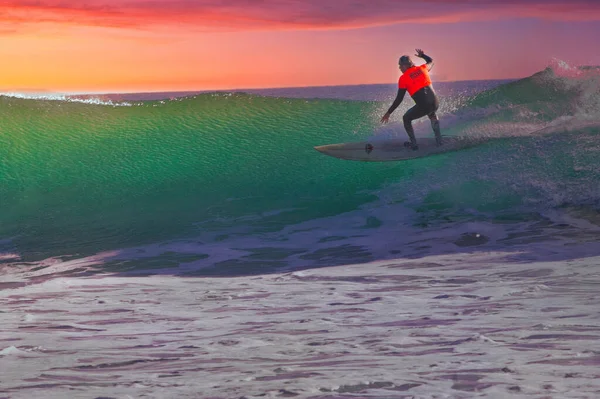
x=234, y=15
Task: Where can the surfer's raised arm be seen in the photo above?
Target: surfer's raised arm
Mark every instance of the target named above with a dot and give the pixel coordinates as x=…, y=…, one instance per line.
x=428, y=59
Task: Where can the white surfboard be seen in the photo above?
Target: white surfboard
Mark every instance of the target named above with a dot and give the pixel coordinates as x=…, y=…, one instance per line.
x=394, y=149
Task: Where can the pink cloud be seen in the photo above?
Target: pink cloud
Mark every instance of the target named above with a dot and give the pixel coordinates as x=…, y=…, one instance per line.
x=282, y=14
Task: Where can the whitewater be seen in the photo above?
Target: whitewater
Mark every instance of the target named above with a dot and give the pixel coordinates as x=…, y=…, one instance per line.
x=195, y=245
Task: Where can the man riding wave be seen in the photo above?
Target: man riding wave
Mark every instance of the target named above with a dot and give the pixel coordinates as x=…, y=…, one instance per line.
x=416, y=80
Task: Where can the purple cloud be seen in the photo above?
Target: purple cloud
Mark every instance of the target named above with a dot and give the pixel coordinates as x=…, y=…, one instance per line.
x=285, y=14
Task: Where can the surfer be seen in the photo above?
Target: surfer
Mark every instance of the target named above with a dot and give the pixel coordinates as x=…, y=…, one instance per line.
x=416, y=80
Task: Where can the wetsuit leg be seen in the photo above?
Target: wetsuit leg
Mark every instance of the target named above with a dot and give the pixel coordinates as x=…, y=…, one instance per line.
x=415, y=112
x=427, y=103
x=435, y=124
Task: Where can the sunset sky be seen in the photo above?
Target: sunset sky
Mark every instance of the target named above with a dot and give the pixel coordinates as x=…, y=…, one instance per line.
x=167, y=45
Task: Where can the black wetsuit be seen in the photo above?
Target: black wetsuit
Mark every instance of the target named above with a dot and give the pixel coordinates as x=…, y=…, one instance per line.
x=426, y=103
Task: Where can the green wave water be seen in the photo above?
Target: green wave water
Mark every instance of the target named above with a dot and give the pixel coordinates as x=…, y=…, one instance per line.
x=78, y=178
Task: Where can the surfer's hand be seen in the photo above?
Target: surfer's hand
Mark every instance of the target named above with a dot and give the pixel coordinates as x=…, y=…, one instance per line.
x=420, y=53
x=385, y=118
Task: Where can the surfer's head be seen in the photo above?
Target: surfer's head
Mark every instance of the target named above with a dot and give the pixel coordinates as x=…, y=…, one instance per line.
x=404, y=63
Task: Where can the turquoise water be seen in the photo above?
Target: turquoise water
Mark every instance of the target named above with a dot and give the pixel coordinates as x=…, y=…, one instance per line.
x=78, y=178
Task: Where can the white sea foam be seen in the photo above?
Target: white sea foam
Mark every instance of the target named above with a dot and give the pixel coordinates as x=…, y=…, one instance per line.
x=489, y=324
x=67, y=98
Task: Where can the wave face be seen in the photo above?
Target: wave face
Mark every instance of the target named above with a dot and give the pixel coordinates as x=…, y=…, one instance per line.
x=208, y=175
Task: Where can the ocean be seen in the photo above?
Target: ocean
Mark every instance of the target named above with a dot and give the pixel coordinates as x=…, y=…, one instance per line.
x=195, y=245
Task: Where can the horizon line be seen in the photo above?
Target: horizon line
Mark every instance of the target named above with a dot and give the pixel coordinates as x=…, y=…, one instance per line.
x=84, y=93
